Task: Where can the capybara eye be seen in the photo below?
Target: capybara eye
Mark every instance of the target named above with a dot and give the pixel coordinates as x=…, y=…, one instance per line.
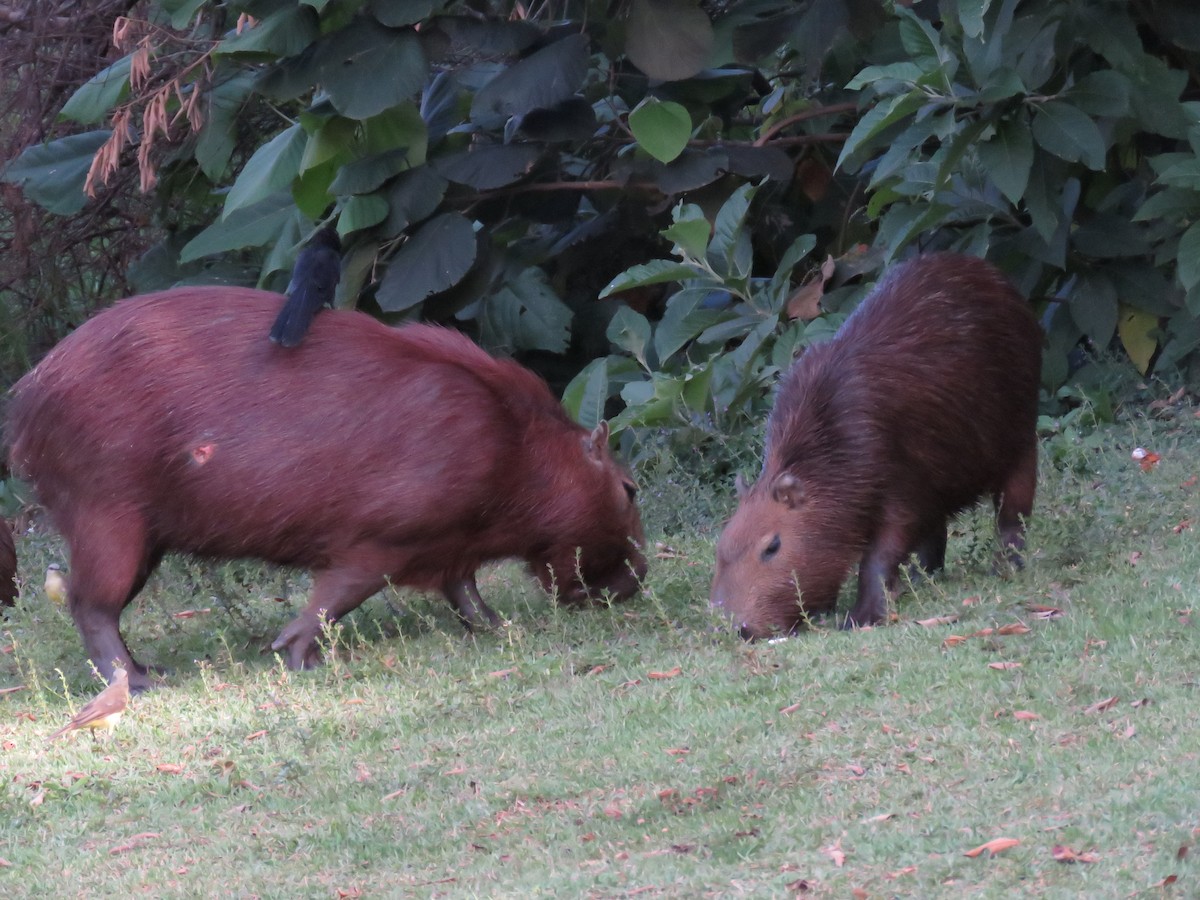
x=771, y=549
x=630, y=490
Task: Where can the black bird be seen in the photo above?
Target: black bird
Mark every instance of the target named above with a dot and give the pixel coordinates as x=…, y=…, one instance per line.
x=314, y=280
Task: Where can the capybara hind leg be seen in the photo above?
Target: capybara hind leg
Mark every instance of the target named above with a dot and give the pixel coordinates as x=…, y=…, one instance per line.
x=335, y=592
x=109, y=565
x=1014, y=505
x=463, y=595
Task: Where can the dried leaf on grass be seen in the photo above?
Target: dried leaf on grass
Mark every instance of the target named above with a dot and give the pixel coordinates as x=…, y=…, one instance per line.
x=1102, y=705
x=1067, y=855
x=134, y=842
x=1025, y=715
x=1004, y=665
x=994, y=846
x=670, y=673
x=937, y=620
x=836, y=854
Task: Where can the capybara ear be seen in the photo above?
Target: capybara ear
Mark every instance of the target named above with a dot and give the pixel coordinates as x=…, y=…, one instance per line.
x=741, y=486
x=596, y=443
x=788, y=490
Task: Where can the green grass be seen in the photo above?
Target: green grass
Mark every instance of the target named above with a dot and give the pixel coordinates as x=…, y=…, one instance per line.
x=548, y=760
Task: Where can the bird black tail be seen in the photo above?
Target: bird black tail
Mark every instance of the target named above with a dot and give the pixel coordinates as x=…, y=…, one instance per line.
x=314, y=282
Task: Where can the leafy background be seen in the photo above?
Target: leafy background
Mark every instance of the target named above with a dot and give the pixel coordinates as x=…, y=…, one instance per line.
x=656, y=203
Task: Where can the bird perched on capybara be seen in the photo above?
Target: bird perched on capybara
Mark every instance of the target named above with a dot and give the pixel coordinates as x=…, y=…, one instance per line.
x=924, y=402
x=368, y=455
x=312, y=286
x=8, y=566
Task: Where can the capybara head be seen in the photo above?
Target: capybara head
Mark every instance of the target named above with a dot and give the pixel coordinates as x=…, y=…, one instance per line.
x=599, y=549
x=775, y=560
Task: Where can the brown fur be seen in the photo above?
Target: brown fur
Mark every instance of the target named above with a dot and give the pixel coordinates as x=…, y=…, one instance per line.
x=369, y=454
x=922, y=404
x=8, y=566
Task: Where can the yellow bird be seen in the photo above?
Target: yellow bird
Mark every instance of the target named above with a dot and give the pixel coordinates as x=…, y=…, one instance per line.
x=56, y=584
x=103, y=710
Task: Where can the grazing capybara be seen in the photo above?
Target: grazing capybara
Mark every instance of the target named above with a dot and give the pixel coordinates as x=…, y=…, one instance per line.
x=924, y=402
x=8, y=566
x=368, y=455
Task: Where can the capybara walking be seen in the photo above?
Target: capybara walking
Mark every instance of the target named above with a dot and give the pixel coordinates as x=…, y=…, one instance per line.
x=368, y=455
x=8, y=566
x=924, y=402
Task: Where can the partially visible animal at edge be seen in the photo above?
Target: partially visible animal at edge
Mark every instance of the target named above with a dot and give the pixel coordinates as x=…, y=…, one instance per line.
x=312, y=286
x=924, y=402
x=8, y=565
x=369, y=455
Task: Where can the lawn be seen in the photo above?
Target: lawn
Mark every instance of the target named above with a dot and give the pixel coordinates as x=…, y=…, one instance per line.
x=639, y=749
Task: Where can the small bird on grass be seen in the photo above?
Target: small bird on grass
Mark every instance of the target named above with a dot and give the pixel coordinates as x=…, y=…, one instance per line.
x=103, y=710
x=56, y=584
x=314, y=281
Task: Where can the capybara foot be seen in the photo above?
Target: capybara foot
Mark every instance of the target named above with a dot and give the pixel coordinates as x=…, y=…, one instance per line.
x=299, y=639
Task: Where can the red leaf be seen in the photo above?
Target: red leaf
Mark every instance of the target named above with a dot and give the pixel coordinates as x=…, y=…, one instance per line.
x=671, y=673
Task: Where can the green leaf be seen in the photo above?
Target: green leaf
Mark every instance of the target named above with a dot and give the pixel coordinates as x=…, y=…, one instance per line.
x=215, y=145
x=434, y=259
x=1094, y=307
x=362, y=211
x=99, y=94
x=541, y=80
x=630, y=331
x=1008, y=157
x=662, y=128
x=918, y=38
x=1101, y=93
x=689, y=232
x=1188, y=257
x=396, y=13
x=273, y=166
x=684, y=320
x=285, y=32
x=181, y=11
x=886, y=112
x=365, y=175
x=489, y=166
x=584, y=398
x=413, y=196
x=668, y=39
x=970, y=16
x=526, y=314
x=904, y=72
x=728, y=231
x=52, y=175
x=657, y=271
x=367, y=68
x=250, y=226
x=1069, y=133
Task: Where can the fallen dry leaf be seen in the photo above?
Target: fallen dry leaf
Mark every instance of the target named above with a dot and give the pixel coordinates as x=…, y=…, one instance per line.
x=859, y=894
x=1067, y=855
x=994, y=846
x=11, y=690
x=799, y=886
x=190, y=613
x=1013, y=628
x=503, y=673
x=4, y=863
x=788, y=710
x=953, y=641
x=1135, y=557
x=937, y=620
x=678, y=751
x=805, y=302
x=354, y=701
x=170, y=768
x=1004, y=665
x=1025, y=715
x=134, y=842
x=1044, y=612
x=882, y=817
x=1170, y=879
x=836, y=854
x=983, y=632
x=1102, y=705
x=670, y=673
x=1182, y=526
x=256, y=735
x=907, y=870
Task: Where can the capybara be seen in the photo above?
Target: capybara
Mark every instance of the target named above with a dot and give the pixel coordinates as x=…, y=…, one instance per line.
x=368, y=455
x=924, y=402
x=8, y=566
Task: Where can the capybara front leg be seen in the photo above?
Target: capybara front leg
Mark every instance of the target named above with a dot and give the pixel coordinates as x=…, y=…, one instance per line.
x=930, y=550
x=1014, y=505
x=878, y=573
x=335, y=592
x=463, y=595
